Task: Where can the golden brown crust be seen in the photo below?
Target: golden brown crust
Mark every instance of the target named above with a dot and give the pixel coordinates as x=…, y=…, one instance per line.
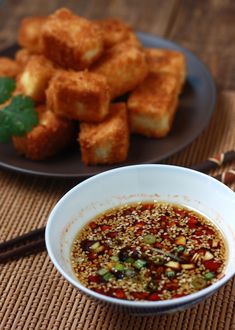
x=124, y=67
x=115, y=31
x=35, y=77
x=71, y=41
x=81, y=95
x=168, y=61
x=152, y=105
x=8, y=67
x=30, y=33
x=22, y=57
x=50, y=136
x=106, y=142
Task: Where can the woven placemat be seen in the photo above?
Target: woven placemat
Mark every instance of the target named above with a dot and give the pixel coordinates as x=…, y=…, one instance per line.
x=33, y=295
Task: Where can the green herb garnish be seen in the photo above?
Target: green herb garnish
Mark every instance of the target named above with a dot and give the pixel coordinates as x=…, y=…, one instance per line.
x=17, y=118
x=149, y=239
x=170, y=273
x=139, y=263
x=209, y=276
x=7, y=86
x=108, y=276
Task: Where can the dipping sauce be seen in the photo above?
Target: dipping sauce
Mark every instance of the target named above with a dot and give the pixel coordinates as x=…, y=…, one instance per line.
x=148, y=251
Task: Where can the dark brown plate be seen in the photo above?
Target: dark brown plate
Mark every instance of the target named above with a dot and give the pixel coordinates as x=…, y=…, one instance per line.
x=197, y=103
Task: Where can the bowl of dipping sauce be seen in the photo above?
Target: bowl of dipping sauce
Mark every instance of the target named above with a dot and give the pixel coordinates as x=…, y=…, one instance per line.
x=148, y=239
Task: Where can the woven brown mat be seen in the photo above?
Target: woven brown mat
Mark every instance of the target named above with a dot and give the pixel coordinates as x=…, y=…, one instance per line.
x=33, y=295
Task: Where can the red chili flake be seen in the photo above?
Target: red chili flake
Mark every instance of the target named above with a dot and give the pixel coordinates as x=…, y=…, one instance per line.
x=192, y=222
x=171, y=224
x=119, y=293
x=126, y=212
x=144, y=248
x=139, y=232
x=93, y=225
x=201, y=251
x=209, y=231
x=166, y=237
x=158, y=245
x=105, y=227
x=140, y=295
x=158, y=270
x=112, y=234
x=171, y=286
x=140, y=224
x=198, y=232
x=154, y=297
x=99, y=291
x=178, y=295
x=212, y=265
x=92, y=256
x=163, y=223
x=94, y=278
x=147, y=207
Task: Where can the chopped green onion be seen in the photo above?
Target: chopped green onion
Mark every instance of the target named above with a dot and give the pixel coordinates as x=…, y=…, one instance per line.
x=139, y=263
x=130, y=272
x=108, y=276
x=180, y=249
x=198, y=283
x=114, y=258
x=158, y=261
x=130, y=260
x=102, y=271
x=170, y=273
x=149, y=239
x=209, y=276
x=119, y=267
x=95, y=245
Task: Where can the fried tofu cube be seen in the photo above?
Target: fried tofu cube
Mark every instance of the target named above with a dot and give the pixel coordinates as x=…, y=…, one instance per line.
x=115, y=31
x=71, y=41
x=22, y=57
x=35, y=77
x=30, y=33
x=106, y=142
x=83, y=95
x=8, y=67
x=50, y=136
x=152, y=105
x=168, y=61
x=124, y=67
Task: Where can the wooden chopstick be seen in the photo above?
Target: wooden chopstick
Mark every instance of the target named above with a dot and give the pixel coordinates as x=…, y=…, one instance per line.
x=226, y=177
x=24, y=250
x=34, y=241
x=215, y=162
x=30, y=235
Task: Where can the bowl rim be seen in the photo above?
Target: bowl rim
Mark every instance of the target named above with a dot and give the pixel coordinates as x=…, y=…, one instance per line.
x=132, y=303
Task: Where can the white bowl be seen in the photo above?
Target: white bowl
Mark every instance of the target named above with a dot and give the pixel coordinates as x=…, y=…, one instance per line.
x=130, y=184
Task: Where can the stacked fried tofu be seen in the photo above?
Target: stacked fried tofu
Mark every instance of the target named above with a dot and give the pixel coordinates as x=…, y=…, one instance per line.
x=153, y=104
x=75, y=69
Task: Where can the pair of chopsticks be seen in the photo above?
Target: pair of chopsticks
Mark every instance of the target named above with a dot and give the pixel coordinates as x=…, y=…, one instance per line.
x=24, y=245
x=34, y=241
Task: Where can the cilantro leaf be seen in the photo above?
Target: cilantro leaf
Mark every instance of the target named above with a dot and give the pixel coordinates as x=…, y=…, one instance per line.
x=17, y=118
x=7, y=86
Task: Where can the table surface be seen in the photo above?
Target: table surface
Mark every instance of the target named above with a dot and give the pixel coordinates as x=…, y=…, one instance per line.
x=33, y=295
